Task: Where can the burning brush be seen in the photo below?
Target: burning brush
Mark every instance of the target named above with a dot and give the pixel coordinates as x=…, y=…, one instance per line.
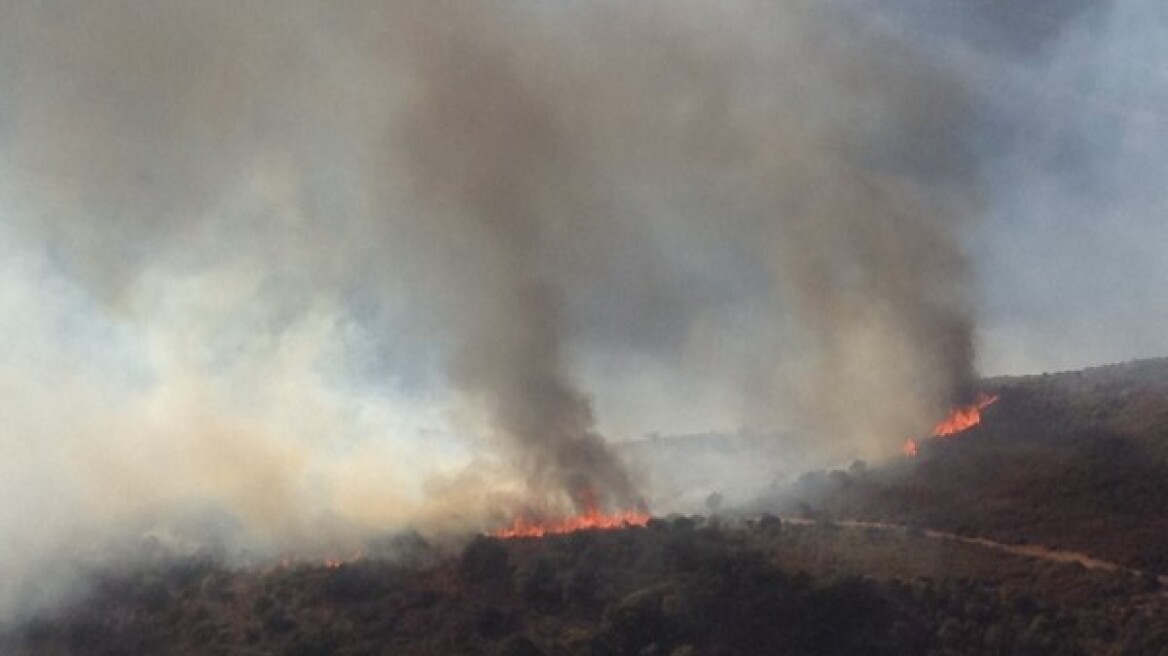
x=589, y=517
x=959, y=420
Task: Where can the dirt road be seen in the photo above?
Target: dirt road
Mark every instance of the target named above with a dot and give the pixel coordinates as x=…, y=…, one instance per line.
x=1027, y=550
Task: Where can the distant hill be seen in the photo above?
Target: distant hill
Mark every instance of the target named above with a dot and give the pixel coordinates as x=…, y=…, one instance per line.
x=685, y=470
x=1074, y=460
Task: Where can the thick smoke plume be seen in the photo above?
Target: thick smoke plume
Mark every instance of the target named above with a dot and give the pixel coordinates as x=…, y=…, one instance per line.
x=270, y=258
x=536, y=142
x=486, y=148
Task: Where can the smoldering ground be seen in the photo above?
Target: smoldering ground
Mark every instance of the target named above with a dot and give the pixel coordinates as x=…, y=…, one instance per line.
x=294, y=260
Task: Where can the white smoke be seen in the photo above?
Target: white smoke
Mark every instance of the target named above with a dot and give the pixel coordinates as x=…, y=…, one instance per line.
x=392, y=263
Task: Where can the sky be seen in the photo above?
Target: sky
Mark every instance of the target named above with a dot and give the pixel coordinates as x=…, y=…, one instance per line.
x=1073, y=100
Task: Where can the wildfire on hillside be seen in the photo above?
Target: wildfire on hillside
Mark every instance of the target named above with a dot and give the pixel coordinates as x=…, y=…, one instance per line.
x=959, y=420
x=964, y=418
x=590, y=517
x=336, y=563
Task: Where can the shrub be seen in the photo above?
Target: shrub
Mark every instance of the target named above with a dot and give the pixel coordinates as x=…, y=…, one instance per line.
x=485, y=560
x=519, y=645
x=540, y=587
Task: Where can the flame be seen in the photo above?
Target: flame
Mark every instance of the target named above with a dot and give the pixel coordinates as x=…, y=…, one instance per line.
x=591, y=518
x=288, y=562
x=960, y=419
x=964, y=418
x=910, y=448
x=335, y=563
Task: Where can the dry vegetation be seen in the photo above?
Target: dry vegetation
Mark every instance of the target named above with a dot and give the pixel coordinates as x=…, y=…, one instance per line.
x=679, y=587
x=1077, y=460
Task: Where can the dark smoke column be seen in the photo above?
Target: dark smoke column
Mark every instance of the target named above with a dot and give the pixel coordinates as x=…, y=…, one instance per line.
x=494, y=170
x=766, y=196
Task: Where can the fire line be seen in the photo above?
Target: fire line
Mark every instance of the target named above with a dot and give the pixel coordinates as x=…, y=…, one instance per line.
x=959, y=420
x=591, y=518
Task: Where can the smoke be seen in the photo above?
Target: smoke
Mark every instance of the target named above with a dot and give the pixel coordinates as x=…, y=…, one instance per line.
x=487, y=153
x=1069, y=122
x=1075, y=176
x=410, y=262
x=869, y=263
x=542, y=145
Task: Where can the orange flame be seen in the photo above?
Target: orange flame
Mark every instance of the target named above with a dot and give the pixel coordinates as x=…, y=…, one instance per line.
x=960, y=419
x=910, y=448
x=337, y=563
x=592, y=518
x=964, y=418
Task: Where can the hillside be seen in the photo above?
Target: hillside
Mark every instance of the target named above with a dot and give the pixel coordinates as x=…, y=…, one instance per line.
x=1073, y=460
x=681, y=588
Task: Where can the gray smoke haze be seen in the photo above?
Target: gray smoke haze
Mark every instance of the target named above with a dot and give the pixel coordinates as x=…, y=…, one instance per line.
x=1071, y=125
x=487, y=154
x=525, y=139
x=417, y=263
x=1080, y=278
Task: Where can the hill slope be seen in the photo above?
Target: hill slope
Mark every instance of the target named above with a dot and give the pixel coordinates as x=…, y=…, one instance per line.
x=1076, y=461
x=675, y=589
x=1073, y=460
